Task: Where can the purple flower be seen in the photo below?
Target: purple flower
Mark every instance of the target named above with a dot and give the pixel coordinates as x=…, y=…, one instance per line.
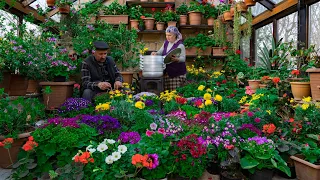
x=259, y=140
x=74, y=104
x=132, y=137
x=102, y=123
x=149, y=102
x=153, y=126
x=90, y=27
x=64, y=122
x=154, y=159
x=38, y=6
x=85, y=51
x=251, y=127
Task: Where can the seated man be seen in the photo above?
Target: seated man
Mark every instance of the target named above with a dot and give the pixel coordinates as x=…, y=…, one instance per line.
x=99, y=72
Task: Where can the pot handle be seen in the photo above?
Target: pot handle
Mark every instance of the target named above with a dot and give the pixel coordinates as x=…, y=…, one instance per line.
x=141, y=67
x=164, y=66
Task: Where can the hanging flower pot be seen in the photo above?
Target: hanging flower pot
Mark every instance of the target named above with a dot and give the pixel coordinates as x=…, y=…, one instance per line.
x=160, y=26
x=210, y=21
x=134, y=24
x=250, y=2
x=51, y=3
x=232, y=11
x=183, y=19
x=172, y=23
x=195, y=18
x=149, y=23
x=227, y=16
x=242, y=7
x=64, y=9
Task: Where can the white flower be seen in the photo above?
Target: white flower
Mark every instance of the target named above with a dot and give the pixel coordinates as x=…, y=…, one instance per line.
x=90, y=149
x=122, y=149
x=153, y=126
x=116, y=156
x=102, y=147
x=109, y=160
x=109, y=141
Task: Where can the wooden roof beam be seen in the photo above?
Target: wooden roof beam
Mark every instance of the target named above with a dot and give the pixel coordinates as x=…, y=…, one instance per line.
x=268, y=4
x=27, y=2
x=53, y=12
x=25, y=10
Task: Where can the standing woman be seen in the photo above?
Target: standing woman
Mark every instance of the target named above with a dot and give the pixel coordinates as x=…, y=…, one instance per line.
x=175, y=72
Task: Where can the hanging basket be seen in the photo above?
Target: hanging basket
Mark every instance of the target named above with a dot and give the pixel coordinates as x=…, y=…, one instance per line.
x=250, y=2
x=242, y=7
x=51, y=3
x=227, y=16
x=64, y=9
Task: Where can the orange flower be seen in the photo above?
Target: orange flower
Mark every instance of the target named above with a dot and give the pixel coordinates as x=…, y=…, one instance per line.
x=6, y=143
x=265, y=78
x=84, y=158
x=137, y=158
x=276, y=80
x=29, y=145
x=146, y=163
x=295, y=72
x=269, y=128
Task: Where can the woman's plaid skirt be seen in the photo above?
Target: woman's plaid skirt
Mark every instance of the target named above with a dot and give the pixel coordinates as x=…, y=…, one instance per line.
x=173, y=83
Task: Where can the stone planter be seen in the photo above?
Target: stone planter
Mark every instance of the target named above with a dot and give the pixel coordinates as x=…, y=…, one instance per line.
x=218, y=51
x=314, y=74
x=14, y=84
x=304, y=169
x=195, y=51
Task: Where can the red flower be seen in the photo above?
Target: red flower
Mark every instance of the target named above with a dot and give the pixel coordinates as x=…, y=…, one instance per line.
x=181, y=100
x=224, y=81
x=149, y=133
x=161, y=131
x=295, y=72
x=184, y=157
x=276, y=80
x=77, y=86
x=153, y=9
x=269, y=128
x=246, y=59
x=238, y=51
x=142, y=17
x=218, y=83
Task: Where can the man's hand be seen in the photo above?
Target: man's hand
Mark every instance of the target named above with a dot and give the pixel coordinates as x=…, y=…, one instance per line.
x=117, y=84
x=104, y=85
x=154, y=53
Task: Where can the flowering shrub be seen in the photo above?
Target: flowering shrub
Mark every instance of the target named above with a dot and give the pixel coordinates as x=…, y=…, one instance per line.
x=75, y=106
x=102, y=123
x=261, y=153
x=190, y=153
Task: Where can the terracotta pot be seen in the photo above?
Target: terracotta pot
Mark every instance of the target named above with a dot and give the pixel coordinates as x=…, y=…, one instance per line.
x=144, y=0
x=156, y=0
x=232, y=11
x=172, y=23
x=254, y=85
x=227, y=16
x=195, y=51
x=149, y=23
x=61, y=91
x=51, y=3
x=195, y=18
x=314, y=74
x=65, y=9
x=218, y=51
x=250, y=2
x=5, y=160
x=168, y=0
x=242, y=7
x=14, y=84
x=210, y=21
x=304, y=169
x=300, y=90
x=263, y=86
x=114, y=19
x=134, y=24
x=160, y=26
x=127, y=77
x=183, y=19
x=33, y=86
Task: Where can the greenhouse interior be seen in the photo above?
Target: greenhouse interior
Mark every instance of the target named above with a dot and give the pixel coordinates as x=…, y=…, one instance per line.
x=160, y=89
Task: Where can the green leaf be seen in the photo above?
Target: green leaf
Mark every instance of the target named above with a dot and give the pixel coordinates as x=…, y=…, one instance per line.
x=31, y=166
x=283, y=147
x=285, y=169
x=263, y=156
x=248, y=162
x=274, y=163
x=49, y=149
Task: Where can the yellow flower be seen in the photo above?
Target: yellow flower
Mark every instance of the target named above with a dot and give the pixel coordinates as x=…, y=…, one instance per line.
x=208, y=102
x=201, y=87
x=243, y=99
x=268, y=111
x=218, y=97
x=305, y=106
x=130, y=96
x=111, y=92
x=132, y=88
x=125, y=84
x=117, y=91
x=207, y=96
x=140, y=105
x=306, y=99
x=209, y=90
x=291, y=100
x=104, y=106
x=201, y=106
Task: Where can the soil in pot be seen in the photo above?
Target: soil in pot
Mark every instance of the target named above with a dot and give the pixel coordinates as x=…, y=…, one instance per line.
x=265, y=174
x=213, y=168
x=226, y=175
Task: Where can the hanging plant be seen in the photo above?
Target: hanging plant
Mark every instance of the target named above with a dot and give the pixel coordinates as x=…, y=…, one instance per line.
x=236, y=29
x=248, y=30
x=219, y=32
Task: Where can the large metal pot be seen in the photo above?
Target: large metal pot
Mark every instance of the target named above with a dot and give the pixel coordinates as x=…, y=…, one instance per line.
x=152, y=66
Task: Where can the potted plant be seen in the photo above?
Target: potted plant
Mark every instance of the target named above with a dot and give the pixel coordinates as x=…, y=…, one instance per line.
x=170, y=16
x=211, y=13
x=201, y=45
x=314, y=71
x=90, y=11
x=182, y=10
x=64, y=6
x=160, y=21
x=260, y=157
x=135, y=14
x=195, y=13
x=148, y=21
x=254, y=78
x=114, y=13
x=17, y=121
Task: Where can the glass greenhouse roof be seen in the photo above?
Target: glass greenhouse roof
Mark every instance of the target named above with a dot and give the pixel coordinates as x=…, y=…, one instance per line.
x=257, y=9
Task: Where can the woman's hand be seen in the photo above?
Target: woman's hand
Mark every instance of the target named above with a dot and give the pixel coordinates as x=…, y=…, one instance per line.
x=154, y=53
x=174, y=58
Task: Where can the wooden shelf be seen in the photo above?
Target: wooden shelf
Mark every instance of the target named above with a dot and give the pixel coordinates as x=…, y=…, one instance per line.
x=211, y=56
x=150, y=4
x=151, y=32
x=202, y=26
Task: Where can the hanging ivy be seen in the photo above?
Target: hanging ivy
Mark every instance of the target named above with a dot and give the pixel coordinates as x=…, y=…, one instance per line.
x=236, y=29
x=248, y=30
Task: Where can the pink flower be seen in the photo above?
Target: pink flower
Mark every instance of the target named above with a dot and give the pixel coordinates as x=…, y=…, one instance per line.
x=149, y=133
x=161, y=131
x=248, y=90
x=250, y=114
x=257, y=120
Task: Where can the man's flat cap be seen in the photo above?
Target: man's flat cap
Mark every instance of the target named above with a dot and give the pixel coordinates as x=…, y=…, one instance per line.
x=101, y=45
